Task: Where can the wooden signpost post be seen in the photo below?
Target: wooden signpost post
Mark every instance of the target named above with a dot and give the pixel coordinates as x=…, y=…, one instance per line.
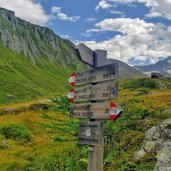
x=94, y=88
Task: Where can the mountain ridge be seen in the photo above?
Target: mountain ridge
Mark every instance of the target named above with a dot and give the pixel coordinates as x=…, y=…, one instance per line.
x=126, y=71
x=164, y=67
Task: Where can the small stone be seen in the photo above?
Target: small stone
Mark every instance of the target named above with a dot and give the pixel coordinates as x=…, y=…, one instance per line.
x=167, y=133
x=153, y=134
x=162, y=168
x=139, y=154
x=150, y=146
x=163, y=158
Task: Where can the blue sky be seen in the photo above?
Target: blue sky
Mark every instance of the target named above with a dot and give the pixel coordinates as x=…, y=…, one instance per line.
x=135, y=31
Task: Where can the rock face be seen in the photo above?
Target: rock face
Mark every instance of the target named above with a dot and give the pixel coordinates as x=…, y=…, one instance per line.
x=162, y=67
x=33, y=41
x=158, y=141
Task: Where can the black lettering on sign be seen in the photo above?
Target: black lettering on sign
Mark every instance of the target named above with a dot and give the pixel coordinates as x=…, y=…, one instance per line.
x=92, y=96
x=105, y=94
x=106, y=75
x=82, y=97
x=77, y=113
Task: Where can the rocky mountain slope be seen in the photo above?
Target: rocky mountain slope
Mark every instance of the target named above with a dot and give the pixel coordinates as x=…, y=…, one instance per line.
x=33, y=41
x=164, y=67
x=34, y=61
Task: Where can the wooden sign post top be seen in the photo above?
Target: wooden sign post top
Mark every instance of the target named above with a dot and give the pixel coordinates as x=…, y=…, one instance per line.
x=93, y=58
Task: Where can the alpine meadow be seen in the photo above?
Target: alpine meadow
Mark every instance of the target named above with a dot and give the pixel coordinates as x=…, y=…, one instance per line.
x=37, y=132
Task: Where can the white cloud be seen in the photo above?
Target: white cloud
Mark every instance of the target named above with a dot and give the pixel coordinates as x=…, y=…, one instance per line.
x=123, y=1
x=103, y=5
x=137, y=39
x=65, y=36
x=28, y=10
x=158, y=8
x=62, y=16
x=90, y=19
x=115, y=12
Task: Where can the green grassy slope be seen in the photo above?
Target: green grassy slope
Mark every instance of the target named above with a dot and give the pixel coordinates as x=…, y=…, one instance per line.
x=20, y=78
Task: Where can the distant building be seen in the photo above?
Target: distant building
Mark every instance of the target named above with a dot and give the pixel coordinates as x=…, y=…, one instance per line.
x=156, y=75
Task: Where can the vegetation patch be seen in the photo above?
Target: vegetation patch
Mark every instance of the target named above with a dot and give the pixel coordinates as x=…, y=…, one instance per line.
x=16, y=131
x=142, y=83
x=61, y=104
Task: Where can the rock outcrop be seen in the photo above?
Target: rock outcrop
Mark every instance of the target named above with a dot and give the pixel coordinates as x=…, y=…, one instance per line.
x=157, y=142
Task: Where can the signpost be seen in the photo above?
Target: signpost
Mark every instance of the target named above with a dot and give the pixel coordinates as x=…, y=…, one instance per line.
x=94, y=89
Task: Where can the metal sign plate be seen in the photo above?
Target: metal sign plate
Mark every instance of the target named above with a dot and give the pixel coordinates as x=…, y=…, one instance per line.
x=91, y=110
x=101, y=91
x=90, y=133
x=99, y=74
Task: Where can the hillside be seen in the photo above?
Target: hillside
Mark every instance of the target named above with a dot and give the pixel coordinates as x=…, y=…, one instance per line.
x=34, y=62
x=46, y=139
x=163, y=67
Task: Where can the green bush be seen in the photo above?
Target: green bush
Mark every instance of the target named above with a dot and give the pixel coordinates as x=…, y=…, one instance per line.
x=143, y=82
x=16, y=131
x=61, y=104
x=143, y=91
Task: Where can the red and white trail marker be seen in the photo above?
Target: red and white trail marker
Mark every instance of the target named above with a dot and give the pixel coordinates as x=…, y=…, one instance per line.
x=72, y=79
x=115, y=110
x=71, y=95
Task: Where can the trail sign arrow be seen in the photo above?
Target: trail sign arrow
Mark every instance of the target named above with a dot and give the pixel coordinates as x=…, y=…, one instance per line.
x=70, y=95
x=72, y=79
x=115, y=111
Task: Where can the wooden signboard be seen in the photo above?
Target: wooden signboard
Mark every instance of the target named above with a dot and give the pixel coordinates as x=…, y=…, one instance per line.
x=91, y=110
x=103, y=73
x=85, y=54
x=101, y=91
x=90, y=133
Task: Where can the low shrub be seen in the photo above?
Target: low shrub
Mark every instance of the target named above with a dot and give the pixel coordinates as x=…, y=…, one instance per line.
x=61, y=104
x=143, y=91
x=143, y=82
x=16, y=131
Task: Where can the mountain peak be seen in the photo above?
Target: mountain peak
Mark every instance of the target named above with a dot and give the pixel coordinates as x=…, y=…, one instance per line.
x=6, y=11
